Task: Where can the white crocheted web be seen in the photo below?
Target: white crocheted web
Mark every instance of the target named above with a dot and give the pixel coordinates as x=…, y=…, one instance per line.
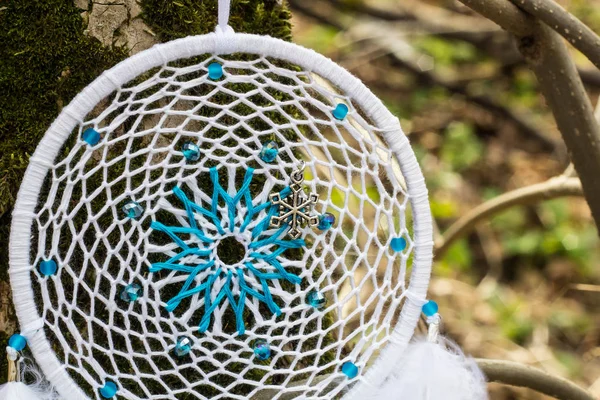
x=208, y=264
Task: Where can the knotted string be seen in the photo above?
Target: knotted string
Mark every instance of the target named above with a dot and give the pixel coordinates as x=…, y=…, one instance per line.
x=223, y=22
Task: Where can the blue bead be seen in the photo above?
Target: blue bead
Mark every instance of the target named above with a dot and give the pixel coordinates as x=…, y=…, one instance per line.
x=340, y=112
x=269, y=152
x=131, y=292
x=183, y=346
x=191, y=151
x=91, y=136
x=215, y=71
x=109, y=390
x=326, y=221
x=133, y=210
x=398, y=244
x=262, y=350
x=316, y=299
x=430, y=308
x=17, y=342
x=48, y=267
x=350, y=369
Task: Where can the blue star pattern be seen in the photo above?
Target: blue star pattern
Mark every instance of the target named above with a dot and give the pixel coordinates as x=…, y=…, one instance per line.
x=197, y=258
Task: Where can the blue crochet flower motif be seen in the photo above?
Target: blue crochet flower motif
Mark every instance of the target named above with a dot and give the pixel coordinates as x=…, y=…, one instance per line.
x=195, y=258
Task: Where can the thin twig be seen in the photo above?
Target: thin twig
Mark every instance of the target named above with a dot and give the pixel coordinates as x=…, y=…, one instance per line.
x=488, y=40
x=396, y=53
x=411, y=17
x=515, y=374
x=429, y=15
x=552, y=188
x=317, y=13
x=584, y=287
x=492, y=251
x=399, y=57
x=494, y=42
x=546, y=53
x=504, y=13
x=563, y=22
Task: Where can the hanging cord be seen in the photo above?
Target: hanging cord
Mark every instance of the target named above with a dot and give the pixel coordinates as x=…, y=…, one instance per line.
x=223, y=22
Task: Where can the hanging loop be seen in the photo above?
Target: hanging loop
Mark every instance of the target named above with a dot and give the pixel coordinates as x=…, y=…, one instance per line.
x=223, y=21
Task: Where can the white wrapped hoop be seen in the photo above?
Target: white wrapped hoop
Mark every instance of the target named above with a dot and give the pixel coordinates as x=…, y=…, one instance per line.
x=218, y=45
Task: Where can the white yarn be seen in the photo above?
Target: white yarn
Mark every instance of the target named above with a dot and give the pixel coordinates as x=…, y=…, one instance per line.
x=224, y=10
x=35, y=380
x=369, y=313
x=433, y=371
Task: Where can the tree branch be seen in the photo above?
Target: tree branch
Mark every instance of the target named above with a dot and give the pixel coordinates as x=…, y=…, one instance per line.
x=547, y=55
x=396, y=53
x=572, y=29
x=515, y=374
x=520, y=121
x=504, y=13
x=556, y=187
x=479, y=35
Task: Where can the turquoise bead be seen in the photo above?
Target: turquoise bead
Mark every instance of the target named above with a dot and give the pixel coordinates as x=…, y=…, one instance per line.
x=191, y=151
x=91, y=136
x=183, y=346
x=133, y=210
x=269, y=152
x=109, y=390
x=17, y=342
x=350, y=369
x=215, y=71
x=131, y=292
x=340, y=112
x=430, y=308
x=316, y=299
x=262, y=350
x=326, y=221
x=48, y=267
x=398, y=244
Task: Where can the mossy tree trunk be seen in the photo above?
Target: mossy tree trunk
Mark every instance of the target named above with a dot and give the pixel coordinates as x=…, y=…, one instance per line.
x=51, y=50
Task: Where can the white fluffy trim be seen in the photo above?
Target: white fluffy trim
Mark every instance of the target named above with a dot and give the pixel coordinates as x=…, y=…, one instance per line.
x=433, y=371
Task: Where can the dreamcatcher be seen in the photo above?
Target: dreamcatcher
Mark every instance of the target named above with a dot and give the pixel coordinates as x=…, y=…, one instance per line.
x=227, y=216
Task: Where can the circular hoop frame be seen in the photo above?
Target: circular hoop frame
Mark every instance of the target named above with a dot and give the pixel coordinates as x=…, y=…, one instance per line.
x=216, y=43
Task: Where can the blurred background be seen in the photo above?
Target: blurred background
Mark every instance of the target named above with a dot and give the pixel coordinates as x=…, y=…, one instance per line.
x=523, y=285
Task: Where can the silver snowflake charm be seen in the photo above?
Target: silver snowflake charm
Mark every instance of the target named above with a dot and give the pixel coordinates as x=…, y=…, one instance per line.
x=295, y=209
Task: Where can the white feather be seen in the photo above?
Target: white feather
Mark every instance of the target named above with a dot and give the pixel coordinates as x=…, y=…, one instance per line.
x=37, y=387
x=18, y=391
x=433, y=371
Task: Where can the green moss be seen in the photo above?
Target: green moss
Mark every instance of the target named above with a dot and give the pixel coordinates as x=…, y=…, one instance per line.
x=176, y=19
x=3, y=361
x=45, y=60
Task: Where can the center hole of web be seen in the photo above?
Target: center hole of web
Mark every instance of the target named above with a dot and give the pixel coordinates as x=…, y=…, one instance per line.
x=231, y=251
